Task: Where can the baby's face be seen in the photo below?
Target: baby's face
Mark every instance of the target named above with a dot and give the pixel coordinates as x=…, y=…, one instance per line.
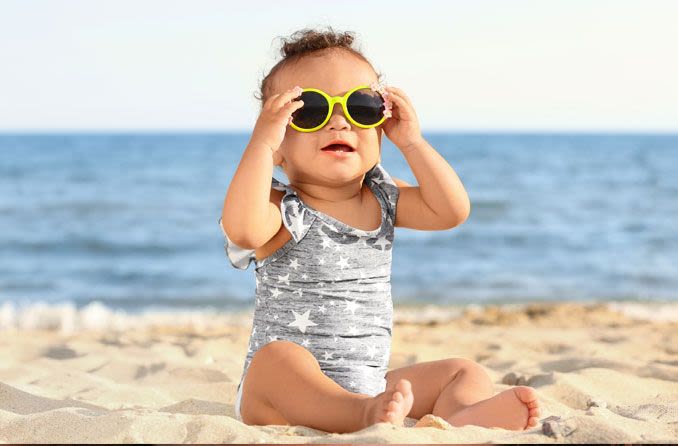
x=334, y=72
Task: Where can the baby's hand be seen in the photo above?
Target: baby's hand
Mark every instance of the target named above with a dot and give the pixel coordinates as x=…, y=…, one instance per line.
x=403, y=126
x=275, y=115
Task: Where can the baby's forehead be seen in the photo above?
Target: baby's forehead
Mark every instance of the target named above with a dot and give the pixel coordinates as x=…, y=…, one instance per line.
x=334, y=75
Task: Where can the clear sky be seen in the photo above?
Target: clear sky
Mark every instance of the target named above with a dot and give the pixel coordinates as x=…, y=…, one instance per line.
x=466, y=65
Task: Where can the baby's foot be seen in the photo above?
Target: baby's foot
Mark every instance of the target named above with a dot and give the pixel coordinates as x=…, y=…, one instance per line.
x=515, y=409
x=390, y=406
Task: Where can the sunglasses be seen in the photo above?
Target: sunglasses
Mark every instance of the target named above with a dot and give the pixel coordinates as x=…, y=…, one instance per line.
x=363, y=106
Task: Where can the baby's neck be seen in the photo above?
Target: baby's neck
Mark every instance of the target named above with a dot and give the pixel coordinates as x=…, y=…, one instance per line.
x=348, y=192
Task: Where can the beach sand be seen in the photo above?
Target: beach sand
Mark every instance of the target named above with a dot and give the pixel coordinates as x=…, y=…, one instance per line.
x=604, y=373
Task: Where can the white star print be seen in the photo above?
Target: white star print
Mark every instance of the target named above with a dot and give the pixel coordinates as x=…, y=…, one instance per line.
x=371, y=351
x=275, y=292
x=273, y=338
x=304, y=276
x=321, y=261
x=336, y=339
x=301, y=321
x=328, y=355
x=294, y=263
x=343, y=262
x=351, y=306
x=352, y=383
x=341, y=360
x=305, y=342
x=353, y=330
x=275, y=316
x=378, y=320
x=331, y=302
x=326, y=243
x=337, y=247
x=322, y=308
x=298, y=226
x=285, y=279
x=382, y=241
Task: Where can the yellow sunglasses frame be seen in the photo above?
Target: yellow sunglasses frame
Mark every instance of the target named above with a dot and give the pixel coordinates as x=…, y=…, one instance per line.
x=337, y=100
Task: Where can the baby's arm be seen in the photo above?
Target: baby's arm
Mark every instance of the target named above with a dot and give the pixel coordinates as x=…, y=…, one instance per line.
x=249, y=217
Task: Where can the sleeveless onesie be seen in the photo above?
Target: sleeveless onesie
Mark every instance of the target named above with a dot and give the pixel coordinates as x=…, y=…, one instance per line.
x=327, y=289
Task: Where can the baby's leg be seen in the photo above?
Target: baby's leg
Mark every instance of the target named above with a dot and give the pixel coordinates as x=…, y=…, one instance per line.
x=461, y=392
x=285, y=385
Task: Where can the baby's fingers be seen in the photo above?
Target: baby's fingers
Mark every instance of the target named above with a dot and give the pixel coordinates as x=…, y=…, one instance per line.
x=290, y=108
x=284, y=98
x=399, y=92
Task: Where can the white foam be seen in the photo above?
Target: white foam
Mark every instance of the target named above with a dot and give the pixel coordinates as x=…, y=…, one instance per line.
x=650, y=311
x=66, y=319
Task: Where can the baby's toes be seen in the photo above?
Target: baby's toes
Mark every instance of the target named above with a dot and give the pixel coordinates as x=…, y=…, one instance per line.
x=526, y=394
x=398, y=397
x=532, y=422
x=535, y=412
x=391, y=415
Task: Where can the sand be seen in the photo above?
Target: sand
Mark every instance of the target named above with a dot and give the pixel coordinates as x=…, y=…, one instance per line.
x=604, y=372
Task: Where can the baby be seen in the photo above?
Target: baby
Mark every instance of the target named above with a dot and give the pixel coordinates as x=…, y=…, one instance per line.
x=320, y=342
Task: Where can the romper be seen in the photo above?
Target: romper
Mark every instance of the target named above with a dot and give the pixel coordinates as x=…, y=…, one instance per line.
x=327, y=289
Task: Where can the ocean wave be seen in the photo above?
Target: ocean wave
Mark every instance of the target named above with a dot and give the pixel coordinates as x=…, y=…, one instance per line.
x=67, y=319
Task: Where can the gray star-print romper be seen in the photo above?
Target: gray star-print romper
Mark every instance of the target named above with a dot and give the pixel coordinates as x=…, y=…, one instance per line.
x=327, y=289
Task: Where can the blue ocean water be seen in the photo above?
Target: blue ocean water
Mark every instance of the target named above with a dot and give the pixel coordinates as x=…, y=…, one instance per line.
x=130, y=220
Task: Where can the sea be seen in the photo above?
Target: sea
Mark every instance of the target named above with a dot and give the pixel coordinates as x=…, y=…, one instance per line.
x=130, y=221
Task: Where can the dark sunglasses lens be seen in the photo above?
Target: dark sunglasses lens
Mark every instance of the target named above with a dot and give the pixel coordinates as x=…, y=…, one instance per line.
x=313, y=112
x=366, y=106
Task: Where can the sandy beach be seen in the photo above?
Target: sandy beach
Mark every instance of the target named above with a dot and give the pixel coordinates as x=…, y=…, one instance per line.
x=605, y=372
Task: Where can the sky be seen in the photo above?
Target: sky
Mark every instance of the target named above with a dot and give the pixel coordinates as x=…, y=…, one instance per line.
x=476, y=65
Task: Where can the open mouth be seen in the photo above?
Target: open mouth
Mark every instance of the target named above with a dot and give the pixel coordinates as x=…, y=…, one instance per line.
x=337, y=148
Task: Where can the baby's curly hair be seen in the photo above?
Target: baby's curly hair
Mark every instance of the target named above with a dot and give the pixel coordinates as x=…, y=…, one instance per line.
x=309, y=42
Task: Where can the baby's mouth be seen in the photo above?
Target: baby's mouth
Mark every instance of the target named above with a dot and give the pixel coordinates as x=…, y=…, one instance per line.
x=338, y=148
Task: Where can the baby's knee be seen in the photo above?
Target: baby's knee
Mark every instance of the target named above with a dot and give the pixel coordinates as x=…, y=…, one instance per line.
x=282, y=351
x=466, y=366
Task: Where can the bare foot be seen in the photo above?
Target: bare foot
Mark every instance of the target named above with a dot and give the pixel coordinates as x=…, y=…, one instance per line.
x=516, y=408
x=390, y=406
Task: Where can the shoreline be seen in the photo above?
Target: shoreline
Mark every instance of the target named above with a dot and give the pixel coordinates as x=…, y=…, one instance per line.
x=67, y=319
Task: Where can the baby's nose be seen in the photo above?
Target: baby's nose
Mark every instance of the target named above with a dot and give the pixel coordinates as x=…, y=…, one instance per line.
x=338, y=119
